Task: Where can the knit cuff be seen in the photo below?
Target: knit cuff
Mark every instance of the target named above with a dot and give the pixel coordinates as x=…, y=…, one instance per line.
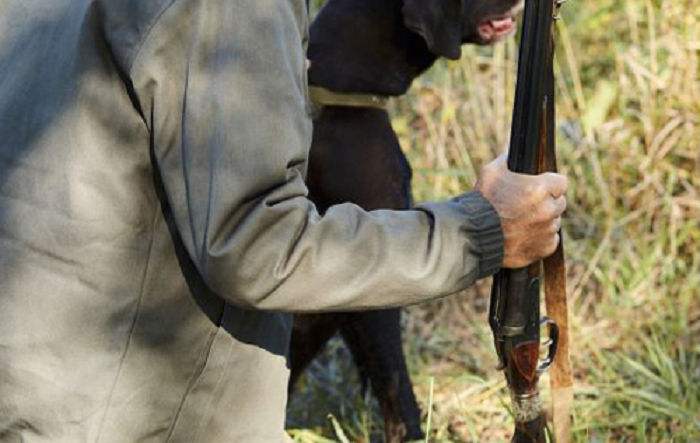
x=486, y=232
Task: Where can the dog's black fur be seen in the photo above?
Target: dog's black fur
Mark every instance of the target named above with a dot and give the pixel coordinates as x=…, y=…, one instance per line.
x=375, y=47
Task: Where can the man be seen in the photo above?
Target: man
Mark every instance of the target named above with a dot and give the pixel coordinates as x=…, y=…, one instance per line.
x=154, y=229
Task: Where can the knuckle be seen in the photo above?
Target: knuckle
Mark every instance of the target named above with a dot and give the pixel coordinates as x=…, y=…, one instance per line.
x=564, y=203
x=564, y=181
x=535, y=192
x=539, y=191
x=557, y=183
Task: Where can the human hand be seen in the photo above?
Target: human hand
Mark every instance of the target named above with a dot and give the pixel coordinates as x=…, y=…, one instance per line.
x=530, y=209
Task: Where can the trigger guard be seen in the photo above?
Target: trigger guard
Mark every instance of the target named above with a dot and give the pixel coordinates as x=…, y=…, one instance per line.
x=552, y=349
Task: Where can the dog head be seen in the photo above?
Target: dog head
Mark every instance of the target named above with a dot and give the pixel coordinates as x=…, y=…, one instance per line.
x=447, y=24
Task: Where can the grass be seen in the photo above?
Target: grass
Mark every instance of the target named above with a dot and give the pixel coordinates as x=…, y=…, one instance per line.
x=629, y=141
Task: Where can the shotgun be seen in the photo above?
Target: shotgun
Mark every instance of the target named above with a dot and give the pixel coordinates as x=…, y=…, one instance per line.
x=514, y=312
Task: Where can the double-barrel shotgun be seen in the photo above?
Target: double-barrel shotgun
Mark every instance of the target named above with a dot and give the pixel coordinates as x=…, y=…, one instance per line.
x=514, y=313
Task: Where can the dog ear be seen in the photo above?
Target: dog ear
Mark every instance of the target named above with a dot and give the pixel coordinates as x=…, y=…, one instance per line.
x=439, y=22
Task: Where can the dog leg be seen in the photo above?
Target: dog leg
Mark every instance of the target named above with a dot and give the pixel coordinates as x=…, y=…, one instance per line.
x=310, y=333
x=374, y=338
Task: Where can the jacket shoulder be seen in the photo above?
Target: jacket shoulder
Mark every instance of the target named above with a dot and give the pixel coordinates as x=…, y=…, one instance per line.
x=127, y=24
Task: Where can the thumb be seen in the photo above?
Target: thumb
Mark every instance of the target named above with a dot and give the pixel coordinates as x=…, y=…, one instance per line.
x=501, y=162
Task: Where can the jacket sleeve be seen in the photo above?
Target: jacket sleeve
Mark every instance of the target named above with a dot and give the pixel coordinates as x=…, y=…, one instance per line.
x=222, y=88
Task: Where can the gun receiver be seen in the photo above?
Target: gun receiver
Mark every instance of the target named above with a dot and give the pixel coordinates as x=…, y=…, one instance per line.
x=514, y=313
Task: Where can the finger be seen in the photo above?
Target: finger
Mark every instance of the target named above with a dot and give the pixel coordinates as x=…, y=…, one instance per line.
x=559, y=205
x=549, y=182
x=552, y=245
x=550, y=209
x=556, y=183
x=555, y=226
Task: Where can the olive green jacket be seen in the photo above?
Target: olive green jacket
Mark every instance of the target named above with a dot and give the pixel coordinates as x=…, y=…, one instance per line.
x=154, y=228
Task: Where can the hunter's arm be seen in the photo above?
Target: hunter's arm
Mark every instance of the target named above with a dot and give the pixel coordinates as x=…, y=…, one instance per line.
x=223, y=92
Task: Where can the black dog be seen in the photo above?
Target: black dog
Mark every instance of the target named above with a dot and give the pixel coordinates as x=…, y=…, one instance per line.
x=374, y=49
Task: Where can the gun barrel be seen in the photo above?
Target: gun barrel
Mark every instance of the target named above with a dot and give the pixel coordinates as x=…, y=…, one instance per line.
x=535, y=58
x=514, y=315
